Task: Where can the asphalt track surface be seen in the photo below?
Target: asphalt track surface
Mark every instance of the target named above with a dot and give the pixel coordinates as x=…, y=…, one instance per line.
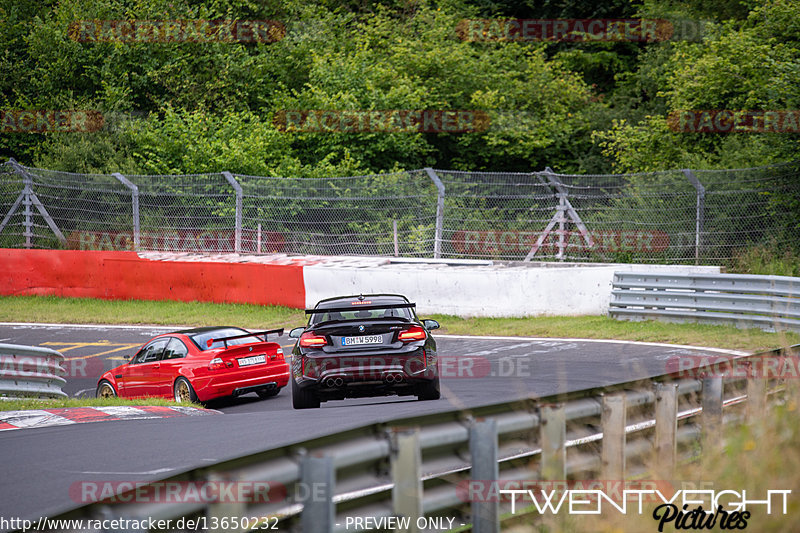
x=40, y=464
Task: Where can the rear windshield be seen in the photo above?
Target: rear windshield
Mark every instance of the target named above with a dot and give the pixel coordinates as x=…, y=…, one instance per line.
x=201, y=339
x=361, y=314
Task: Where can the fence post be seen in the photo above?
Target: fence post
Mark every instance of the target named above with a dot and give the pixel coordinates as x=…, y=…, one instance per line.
x=613, y=422
x=237, y=239
x=28, y=190
x=406, y=460
x=317, y=479
x=134, y=207
x=28, y=198
x=700, y=211
x=437, y=239
x=483, y=451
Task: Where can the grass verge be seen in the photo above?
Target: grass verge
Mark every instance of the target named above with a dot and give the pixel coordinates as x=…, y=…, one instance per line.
x=58, y=403
x=51, y=309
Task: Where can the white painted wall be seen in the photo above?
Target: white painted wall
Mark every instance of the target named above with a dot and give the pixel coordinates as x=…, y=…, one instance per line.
x=491, y=291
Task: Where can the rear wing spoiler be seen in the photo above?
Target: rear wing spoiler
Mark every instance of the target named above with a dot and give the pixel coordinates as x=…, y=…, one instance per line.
x=225, y=340
x=358, y=307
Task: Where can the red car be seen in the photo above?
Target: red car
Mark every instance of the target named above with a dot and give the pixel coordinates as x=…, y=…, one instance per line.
x=199, y=365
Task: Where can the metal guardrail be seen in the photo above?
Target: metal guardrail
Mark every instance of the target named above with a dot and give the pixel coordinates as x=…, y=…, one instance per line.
x=767, y=302
x=31, y=371
x=417, y=467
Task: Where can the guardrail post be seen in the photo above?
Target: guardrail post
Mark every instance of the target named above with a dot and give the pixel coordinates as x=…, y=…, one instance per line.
x=756, y=397
x=483, y=452
x=134, y=207
x=613, y=422
x=223, y=511
x=406, y=460
x=711, y=418
x=437, y=239
x=316, y=486
x=666, y=426
x=237, y=238
x=553, y=437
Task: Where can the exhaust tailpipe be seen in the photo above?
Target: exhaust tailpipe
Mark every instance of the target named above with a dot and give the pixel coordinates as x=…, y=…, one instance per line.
x=339, y=382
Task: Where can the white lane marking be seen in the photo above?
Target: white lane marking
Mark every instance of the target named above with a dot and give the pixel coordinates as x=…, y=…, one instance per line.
x=145, y=473
x=606, y=341
x=88, y=326
x=78, y=394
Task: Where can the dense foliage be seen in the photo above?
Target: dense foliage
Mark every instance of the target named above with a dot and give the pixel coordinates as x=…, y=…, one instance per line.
x=582, y=107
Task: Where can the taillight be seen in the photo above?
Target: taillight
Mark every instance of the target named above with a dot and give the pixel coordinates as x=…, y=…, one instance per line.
x=279, y=353
x=216, y=364
x=414, y=333
x=311, y=340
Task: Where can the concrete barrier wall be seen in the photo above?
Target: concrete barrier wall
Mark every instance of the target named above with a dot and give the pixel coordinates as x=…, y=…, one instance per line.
x=126, y=276
x=490, y=291
x=466, y=288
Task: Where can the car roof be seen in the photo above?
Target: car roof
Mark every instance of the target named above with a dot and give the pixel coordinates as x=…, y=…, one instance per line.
x=205, y=329
x=376, y=299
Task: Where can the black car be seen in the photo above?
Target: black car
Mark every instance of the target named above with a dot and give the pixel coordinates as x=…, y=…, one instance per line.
x=363, y=346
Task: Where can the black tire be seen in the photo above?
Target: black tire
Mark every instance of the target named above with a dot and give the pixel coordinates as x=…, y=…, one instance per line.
x=183, y=392
x=303, y=399
x=429, y=390
x=268, y=393
x=105, y=390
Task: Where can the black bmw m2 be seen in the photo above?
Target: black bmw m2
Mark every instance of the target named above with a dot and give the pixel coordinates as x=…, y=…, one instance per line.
x=363, y=346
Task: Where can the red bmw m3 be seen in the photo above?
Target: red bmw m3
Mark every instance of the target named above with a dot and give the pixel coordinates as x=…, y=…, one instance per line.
x=199, y=365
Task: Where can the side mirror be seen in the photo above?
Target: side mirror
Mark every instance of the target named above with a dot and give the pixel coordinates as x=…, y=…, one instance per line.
x=430, y=324
x=296, y=332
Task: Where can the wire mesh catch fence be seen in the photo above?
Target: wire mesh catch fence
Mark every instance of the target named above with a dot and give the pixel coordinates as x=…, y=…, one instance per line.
x=658, y=217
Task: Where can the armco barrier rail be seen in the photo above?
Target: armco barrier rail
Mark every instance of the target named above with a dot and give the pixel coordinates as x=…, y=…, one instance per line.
x=420, y=467
x=30, y=371
x=766, y=302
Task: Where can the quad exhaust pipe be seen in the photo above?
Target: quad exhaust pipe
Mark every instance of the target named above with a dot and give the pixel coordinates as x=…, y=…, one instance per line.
x=334, y=382
x=394, y=378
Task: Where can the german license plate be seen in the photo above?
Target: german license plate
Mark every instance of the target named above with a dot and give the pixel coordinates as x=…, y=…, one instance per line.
x=365, y=339
x=252, y=360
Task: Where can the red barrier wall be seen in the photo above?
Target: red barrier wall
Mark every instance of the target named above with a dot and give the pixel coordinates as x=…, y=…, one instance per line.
x=126, y=276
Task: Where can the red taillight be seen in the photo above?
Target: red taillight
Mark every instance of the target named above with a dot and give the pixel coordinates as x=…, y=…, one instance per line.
x=216, y=364
x=414, y=333
x=310, y=340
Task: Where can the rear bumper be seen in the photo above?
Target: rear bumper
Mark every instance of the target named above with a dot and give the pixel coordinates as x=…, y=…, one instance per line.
x=373, y=375
x=232, y=385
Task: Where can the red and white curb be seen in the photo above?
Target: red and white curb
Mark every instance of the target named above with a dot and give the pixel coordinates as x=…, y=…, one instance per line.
x=39, y=418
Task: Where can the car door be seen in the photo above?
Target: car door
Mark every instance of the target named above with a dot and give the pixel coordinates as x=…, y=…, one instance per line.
x=171, y=361
x=141, y=376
